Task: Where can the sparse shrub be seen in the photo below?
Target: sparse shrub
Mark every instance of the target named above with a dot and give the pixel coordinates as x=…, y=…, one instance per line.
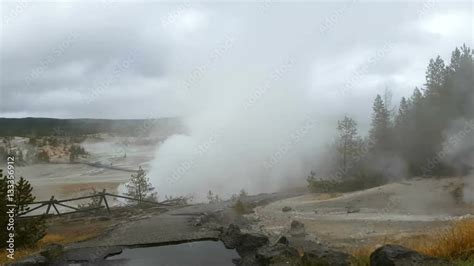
x=319, y=185
x=93, y=203
x=213, y=198
x=241, y=194
x=361, y=258
x=76, y=151
x=240, y=206
x=458, y=194
x=178, y=200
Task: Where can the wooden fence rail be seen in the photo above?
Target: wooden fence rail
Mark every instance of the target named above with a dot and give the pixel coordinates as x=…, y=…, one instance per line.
x=52, y=202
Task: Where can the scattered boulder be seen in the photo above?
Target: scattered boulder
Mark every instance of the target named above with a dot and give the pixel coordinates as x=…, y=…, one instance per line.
x=297, y=228
x=201, y=219
x=197, y=222
x=232, y=237
x=326, y=257
x=254, y=249
x=282, y=240
x=278, y=253
x=395, y=255
x=286, y=209
x=251, y=241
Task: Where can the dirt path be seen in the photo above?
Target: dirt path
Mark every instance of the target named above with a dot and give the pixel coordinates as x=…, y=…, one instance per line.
x=173, y=226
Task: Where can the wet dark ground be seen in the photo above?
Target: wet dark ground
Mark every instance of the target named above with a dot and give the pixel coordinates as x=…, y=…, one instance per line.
x=193, y=253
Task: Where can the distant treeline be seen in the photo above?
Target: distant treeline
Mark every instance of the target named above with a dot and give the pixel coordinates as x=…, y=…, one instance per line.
x=35, y=127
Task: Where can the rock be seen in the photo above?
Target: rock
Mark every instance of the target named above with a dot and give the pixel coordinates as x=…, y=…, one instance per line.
x=297, y=228
x=200, y=220
x=246, y=244
x=251, y=241
x=278, y=253
x=286, y=209
x=395, y=255
x=282, y=240
x=246, y=261
x=352, y=209
x=237, y=261
x=52, y=251
x=197, y=222
x=231, y=237
x=324, y=256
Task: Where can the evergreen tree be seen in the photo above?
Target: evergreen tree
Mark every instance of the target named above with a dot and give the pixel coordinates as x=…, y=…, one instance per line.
x=460, y=80
x=387, y=100
x=401, y=128
x=348, y=142
x=380, y=131
x=75, y=151
x=420, y=130
x=24, y=195
x=27, y=231
x=435, y=77
x=402, y=115
x=3, y=209
x=139, y=187
x=416, y=98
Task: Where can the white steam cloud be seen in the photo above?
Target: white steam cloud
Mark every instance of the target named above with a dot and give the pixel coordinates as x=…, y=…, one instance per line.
x=242, y=135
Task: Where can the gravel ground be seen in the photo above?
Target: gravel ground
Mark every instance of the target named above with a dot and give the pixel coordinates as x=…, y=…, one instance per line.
x=393, y=211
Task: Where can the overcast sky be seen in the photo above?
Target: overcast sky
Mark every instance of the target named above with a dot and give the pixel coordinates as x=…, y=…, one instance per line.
x=112, y=59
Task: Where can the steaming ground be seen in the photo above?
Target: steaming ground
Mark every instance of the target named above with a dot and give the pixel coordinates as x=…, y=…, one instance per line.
x=393, y=211
x=390, y=212
x=64, y=180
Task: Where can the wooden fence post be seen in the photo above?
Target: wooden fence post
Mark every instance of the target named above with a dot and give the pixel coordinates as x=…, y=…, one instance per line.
x=49, y=204
x=101, y=197
x=54, y=206
x=105, y=201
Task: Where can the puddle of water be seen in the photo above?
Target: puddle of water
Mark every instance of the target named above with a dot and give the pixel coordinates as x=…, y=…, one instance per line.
x=194, y=253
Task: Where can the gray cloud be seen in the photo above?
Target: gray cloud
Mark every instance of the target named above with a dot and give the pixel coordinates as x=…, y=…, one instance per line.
x=55, y=55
